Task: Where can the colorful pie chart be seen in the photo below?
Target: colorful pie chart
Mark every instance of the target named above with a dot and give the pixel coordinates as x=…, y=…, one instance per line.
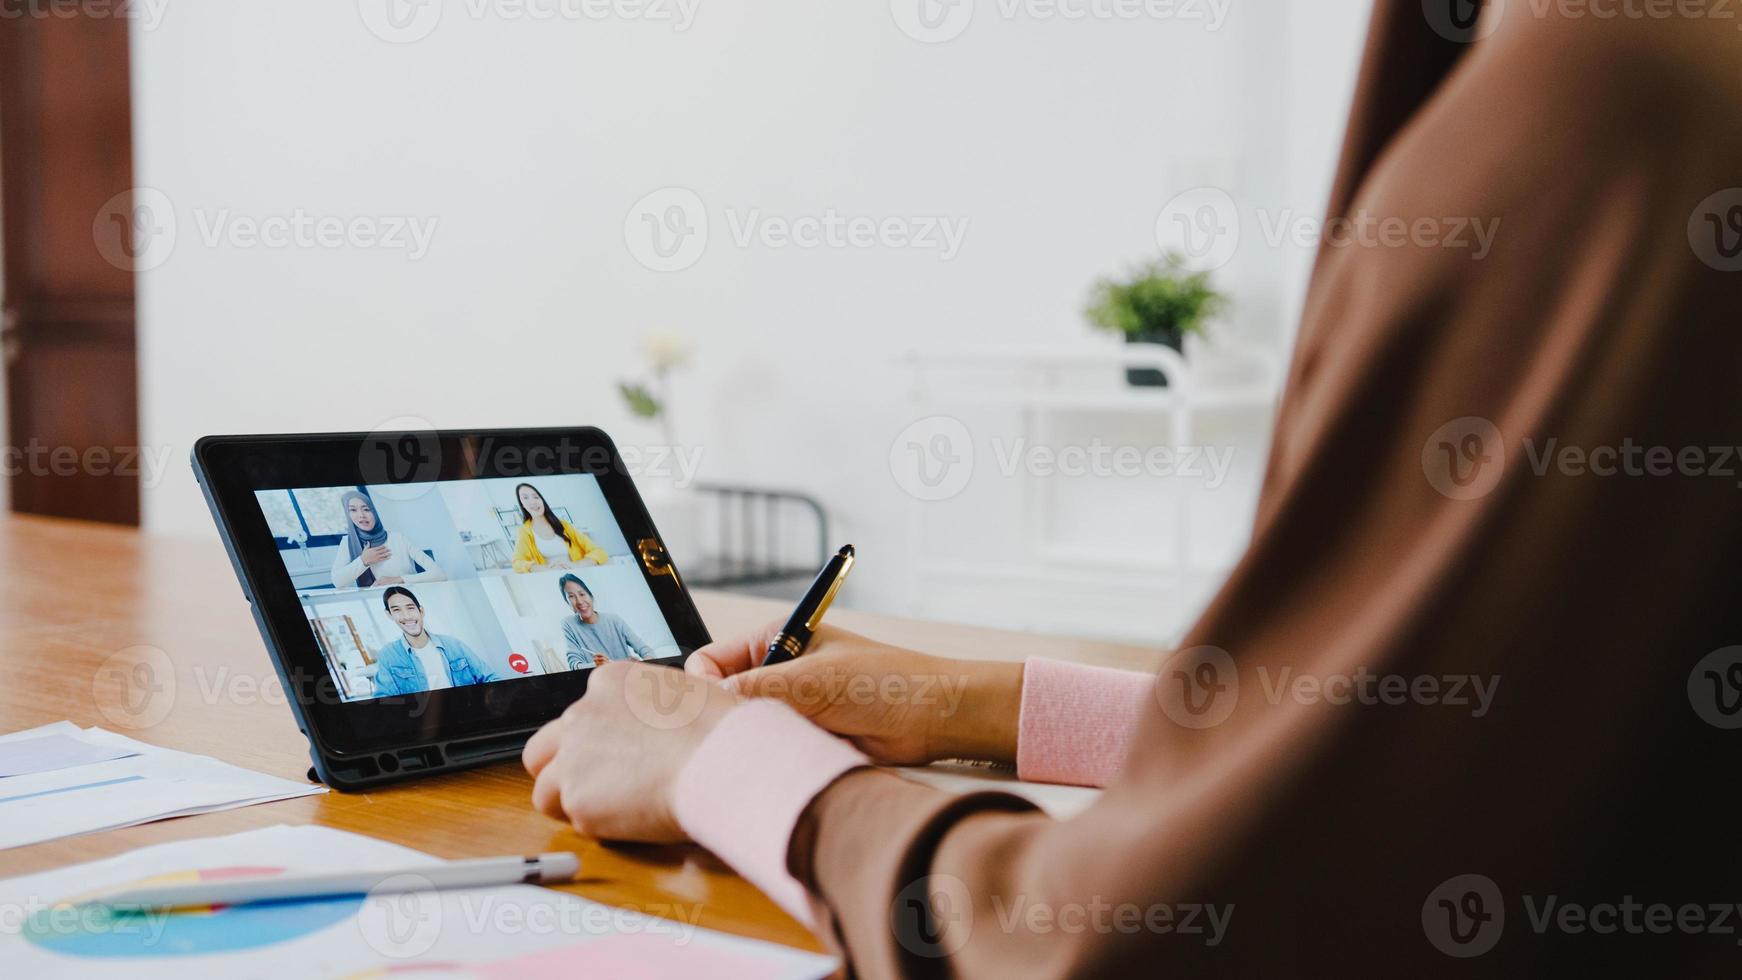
x=72, y=929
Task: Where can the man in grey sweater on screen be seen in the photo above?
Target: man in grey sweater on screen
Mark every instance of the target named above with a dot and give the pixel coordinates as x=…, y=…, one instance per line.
x=593, y=636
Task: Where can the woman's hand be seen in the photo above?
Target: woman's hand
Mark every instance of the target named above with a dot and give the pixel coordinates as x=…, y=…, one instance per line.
x=896, y=705
x=376, y=554
x=609, y=765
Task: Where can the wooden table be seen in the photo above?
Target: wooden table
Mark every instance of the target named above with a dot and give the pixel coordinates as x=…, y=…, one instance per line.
x=81, y=599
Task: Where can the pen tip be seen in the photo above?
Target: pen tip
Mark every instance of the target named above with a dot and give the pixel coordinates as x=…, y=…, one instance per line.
x=847, y=550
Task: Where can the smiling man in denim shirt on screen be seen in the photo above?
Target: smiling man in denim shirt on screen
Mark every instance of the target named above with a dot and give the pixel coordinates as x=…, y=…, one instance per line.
x=419, y=660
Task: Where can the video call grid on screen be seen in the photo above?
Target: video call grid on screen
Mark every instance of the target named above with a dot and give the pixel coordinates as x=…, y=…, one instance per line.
x=421, y=586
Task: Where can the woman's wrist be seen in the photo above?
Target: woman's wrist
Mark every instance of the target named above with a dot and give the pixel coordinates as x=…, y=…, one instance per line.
x=980, y=710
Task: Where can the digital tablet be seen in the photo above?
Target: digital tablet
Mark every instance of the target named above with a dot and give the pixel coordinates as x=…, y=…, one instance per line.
x=431, y=598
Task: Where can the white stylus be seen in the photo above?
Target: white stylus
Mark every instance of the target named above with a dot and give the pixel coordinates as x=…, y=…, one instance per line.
x=474, y=873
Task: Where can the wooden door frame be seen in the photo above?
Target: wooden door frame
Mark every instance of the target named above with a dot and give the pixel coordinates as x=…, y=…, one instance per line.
x=69, y=316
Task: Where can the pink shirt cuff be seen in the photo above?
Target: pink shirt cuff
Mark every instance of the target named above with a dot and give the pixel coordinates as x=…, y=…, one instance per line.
x=742, y=792
x=1077, y=722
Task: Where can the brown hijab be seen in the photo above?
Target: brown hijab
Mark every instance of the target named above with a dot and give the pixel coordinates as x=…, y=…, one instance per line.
x=1502, y=473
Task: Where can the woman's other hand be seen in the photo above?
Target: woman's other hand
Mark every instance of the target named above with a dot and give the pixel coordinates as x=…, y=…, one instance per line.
x=896, y=705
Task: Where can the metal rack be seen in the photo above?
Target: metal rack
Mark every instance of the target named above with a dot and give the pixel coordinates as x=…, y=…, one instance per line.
x=758, y=539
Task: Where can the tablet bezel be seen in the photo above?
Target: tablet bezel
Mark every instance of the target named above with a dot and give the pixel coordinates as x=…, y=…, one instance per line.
x=231, y=468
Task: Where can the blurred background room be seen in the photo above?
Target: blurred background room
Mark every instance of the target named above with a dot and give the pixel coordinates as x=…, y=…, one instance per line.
x=905, y=273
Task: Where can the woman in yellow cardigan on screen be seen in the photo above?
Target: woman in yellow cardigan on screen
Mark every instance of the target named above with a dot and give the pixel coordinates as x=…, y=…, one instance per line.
x=546, y=541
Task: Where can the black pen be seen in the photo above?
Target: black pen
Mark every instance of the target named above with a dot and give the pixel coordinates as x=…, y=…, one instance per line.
x=797, y=633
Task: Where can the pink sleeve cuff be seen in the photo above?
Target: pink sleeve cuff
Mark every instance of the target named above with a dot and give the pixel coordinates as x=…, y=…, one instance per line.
x=1077, y=722
x=742, y=792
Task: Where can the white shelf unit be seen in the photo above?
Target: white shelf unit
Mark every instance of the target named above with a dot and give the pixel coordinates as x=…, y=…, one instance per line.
x=1055, y=585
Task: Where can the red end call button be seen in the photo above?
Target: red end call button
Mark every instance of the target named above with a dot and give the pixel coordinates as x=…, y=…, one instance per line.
x=518, y=662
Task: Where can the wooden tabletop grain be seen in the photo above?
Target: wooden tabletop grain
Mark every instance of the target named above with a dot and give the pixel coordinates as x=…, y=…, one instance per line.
x=82, y=604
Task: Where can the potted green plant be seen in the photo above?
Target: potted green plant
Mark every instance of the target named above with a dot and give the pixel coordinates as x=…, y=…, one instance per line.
x=666, y=352
x=1158, y=302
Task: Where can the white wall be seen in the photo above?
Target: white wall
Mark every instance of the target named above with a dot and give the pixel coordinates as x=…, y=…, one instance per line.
x=527, y=143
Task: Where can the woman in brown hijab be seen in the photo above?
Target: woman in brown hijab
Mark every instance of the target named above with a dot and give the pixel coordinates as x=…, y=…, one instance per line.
x=1513, y=470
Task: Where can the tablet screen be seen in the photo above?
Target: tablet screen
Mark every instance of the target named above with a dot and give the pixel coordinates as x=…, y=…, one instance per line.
x=417, y=587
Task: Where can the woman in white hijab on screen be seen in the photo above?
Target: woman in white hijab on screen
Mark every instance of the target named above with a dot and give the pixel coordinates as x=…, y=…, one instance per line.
x=370, y=555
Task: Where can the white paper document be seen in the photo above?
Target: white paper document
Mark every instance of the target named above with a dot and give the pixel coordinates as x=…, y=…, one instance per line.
x=134, y=783
x=47, y=753
x=515, y=931
x=1060, y=802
